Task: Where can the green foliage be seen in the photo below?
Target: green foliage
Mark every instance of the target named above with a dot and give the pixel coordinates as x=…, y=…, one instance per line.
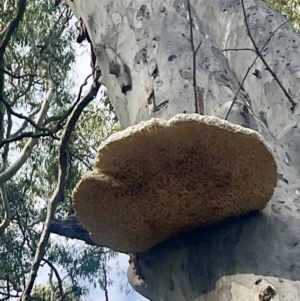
x=25, y=89
x=289, y=8
x=46, y=293
x=53, y=39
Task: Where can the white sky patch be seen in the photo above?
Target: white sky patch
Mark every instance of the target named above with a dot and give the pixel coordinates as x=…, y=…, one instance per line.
x=117, y=273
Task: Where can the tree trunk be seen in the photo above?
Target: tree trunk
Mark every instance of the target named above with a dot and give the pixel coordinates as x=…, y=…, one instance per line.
x=143, y=49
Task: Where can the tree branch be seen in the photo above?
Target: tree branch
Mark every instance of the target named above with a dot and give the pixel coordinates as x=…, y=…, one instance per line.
x=7, y=33
x=247, y=72
x=21, y=116
x=71, y=228
x=6, y=148
x=293, y=103
x=76, y=102
x=194, y=59
x=31, y=135
x=104, y=282
x=17, y=76
x=53, y=268
x=8, y=295
x=7, y=210
x=58, y=195
x=80, y=159
x=23, y=126
x=13, y=282
x=52, y=287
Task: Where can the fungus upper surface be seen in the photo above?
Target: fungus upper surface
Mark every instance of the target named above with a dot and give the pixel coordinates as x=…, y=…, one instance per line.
x=159, y=178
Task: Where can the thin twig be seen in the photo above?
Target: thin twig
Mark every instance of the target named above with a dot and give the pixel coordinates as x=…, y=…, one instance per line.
x=198, y=47
x=29, y=120
x=23, y=126
x=240, y=87
x=17, y=76
x=52, y=287
x=53, y=268
x=76, y=102
x=194, y=56
x=293, y=103
x=239, y=49
x=245, y=76
x=81, y=160
x=103, y=283
x=31, y=135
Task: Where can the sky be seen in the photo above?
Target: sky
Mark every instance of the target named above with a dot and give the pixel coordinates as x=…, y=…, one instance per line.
x=118, y=265
x=117, y=274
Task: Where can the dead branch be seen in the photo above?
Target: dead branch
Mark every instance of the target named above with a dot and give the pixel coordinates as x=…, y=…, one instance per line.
x=293, y=103
x=238, y=49
x=248, y=70
x=194, y=59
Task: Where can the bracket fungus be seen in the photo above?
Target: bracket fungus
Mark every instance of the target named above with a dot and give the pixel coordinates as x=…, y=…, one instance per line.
x=159, y=178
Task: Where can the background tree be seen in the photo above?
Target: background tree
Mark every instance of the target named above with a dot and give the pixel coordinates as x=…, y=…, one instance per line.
x=36, y=60
x=289, y=8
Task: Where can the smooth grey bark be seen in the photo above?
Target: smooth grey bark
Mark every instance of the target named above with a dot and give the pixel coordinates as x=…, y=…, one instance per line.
x=71, y=228
x=144, y=52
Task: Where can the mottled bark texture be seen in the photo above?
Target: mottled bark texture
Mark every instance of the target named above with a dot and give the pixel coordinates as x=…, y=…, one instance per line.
x=144, y=51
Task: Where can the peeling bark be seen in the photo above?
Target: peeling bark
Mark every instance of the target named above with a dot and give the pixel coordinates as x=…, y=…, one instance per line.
x=144, y=51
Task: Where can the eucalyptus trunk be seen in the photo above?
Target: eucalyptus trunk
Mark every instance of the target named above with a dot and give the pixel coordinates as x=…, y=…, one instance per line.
x=145, y=53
